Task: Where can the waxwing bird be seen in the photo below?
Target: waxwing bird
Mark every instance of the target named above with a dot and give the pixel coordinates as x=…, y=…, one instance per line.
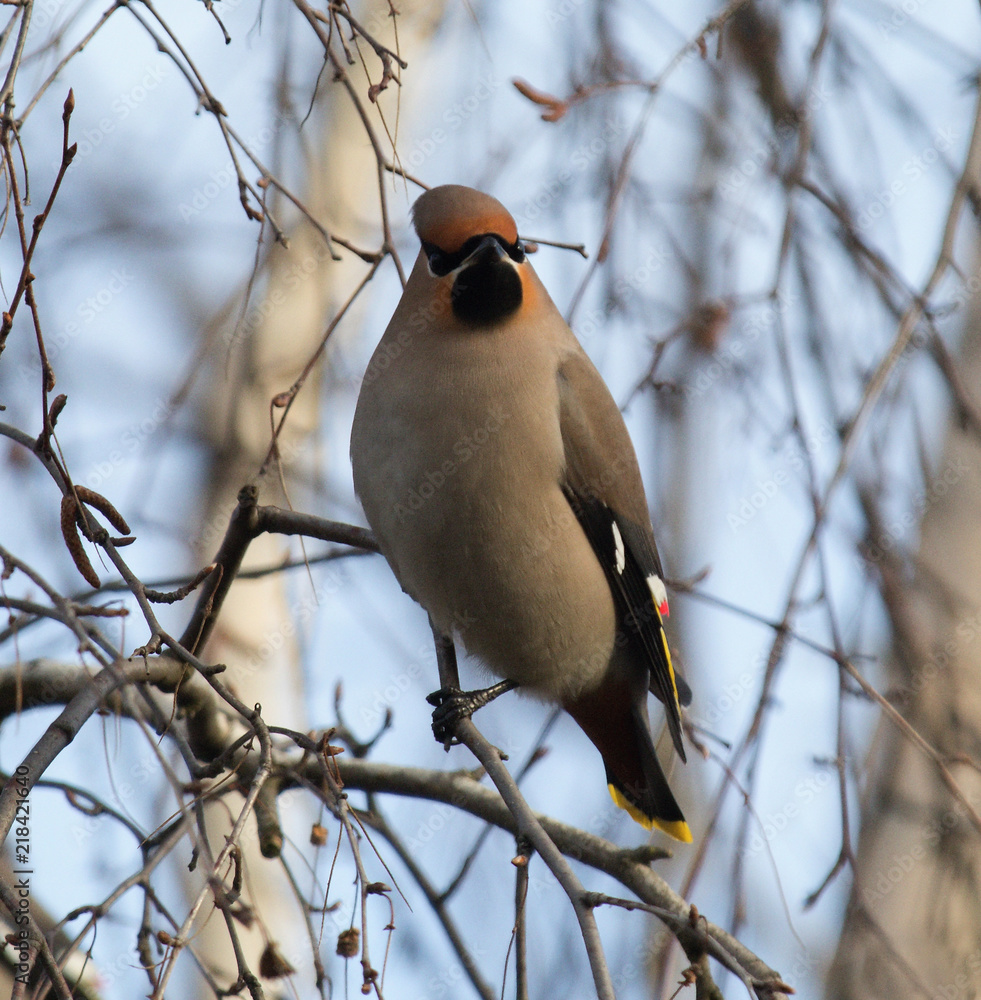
x=498, y=476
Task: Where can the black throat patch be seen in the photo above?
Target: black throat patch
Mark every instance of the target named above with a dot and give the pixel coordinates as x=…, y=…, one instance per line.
x=486, y=291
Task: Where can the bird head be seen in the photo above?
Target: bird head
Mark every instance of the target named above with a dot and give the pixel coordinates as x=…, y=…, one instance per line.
x=470, y=241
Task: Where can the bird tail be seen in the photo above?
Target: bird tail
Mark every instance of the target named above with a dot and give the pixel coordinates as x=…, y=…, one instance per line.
x=616, y=722
x=639, y=786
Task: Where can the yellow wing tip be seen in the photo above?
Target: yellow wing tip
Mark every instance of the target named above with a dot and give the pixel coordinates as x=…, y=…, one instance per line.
x=674, y=683
x=678, y=829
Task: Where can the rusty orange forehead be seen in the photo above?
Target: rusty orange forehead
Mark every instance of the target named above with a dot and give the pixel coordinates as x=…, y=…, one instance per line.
x=449, y=215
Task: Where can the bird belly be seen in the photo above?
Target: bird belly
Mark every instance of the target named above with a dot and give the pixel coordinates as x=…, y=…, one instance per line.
x=536, y=607
x=521, y=586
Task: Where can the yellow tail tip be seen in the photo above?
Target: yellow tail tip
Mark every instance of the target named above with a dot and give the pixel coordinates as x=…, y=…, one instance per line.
x=678, y=829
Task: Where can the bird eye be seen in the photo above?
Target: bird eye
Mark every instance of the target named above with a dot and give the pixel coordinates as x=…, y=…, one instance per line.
x=440, y=263
x=517, y=252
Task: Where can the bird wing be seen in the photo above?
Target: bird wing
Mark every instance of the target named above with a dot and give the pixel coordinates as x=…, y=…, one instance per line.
x=605, y=491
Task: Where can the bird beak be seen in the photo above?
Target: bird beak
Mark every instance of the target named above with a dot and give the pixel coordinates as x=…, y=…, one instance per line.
x=489, y=251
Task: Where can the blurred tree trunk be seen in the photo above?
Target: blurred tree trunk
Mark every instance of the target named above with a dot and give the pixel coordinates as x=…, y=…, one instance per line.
x=701, y=410
x=258, y=635
x=913, y=924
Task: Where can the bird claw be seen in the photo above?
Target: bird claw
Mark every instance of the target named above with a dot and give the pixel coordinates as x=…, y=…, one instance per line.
x=450, y=705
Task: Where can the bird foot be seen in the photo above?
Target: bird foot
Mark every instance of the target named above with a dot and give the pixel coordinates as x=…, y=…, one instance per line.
x=451, y=705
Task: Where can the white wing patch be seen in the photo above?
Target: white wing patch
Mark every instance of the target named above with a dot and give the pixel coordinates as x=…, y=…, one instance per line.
x=659, y=593
x=621, y=552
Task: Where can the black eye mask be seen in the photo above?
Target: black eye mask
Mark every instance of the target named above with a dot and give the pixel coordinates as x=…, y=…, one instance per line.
x=442, y=263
